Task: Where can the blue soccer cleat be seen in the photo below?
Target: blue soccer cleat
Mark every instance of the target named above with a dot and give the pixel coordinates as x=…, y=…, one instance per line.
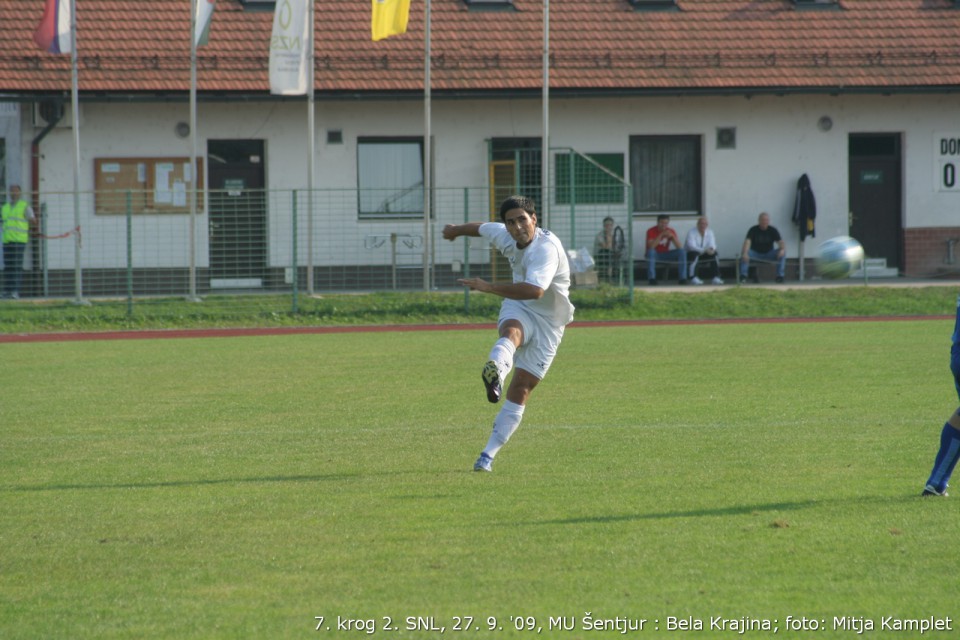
x=483, y=463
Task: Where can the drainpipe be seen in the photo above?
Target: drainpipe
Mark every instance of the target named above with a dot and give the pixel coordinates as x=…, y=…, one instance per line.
x=39, y=247
x=951, y=258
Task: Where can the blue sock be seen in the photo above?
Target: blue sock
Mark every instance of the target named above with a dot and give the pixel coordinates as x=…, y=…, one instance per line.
x=946, y=457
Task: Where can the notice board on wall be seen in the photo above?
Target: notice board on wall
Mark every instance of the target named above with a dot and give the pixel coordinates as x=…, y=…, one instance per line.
x=153, y=185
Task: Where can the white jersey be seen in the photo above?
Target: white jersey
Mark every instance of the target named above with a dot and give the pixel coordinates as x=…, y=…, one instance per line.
x=542, y=263
x=699, y=243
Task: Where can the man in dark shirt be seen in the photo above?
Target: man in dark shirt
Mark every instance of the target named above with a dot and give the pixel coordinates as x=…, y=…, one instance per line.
x=759, y=245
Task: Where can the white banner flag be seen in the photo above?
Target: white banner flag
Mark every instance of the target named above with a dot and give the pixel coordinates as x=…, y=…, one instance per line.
x=288, y=48
x=204, y=15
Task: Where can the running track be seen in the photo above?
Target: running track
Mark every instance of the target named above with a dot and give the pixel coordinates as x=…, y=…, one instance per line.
x=153, y=334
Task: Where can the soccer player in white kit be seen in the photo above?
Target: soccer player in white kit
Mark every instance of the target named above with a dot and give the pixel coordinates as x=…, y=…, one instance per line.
x=535, y=310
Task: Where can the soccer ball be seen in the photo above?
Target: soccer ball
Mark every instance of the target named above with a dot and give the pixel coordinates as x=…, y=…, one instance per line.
x=839, y=257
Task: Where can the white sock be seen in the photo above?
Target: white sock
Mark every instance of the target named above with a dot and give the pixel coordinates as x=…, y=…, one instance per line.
x=504, y=425
x=502, y=353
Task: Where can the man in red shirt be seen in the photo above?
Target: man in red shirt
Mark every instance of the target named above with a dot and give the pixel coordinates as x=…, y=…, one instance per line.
x=659, y=239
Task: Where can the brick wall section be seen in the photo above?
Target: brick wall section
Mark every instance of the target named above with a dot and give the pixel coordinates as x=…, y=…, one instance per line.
x=925, y=252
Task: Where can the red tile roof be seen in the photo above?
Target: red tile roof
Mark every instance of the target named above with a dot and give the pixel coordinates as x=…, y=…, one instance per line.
x=128, y=46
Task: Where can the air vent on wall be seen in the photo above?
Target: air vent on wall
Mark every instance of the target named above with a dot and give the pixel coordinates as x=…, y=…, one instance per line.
x=726, y=138
x=46, y=112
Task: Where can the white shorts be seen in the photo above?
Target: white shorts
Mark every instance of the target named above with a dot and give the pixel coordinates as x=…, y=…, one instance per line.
x=540, y=338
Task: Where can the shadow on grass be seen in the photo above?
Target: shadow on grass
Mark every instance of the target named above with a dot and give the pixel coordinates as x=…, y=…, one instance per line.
x=184, y=483
x=746, y=509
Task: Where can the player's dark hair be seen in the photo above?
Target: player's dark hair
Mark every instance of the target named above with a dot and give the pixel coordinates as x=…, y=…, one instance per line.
x=662, y=216
x=517, y=202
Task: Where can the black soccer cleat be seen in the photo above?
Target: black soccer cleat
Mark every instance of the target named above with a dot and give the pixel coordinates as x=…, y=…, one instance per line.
x=931, y=490
x=491, y=380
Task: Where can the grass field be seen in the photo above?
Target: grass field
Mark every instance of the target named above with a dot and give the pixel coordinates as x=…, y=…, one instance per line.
x=242, y=487
x=408, y=307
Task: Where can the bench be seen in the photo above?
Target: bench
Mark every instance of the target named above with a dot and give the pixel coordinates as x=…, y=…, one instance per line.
x=664, y=267
x=757, y=266
x=729, y=269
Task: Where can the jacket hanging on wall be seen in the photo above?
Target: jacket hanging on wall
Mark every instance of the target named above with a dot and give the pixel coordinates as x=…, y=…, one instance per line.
x=805, y=208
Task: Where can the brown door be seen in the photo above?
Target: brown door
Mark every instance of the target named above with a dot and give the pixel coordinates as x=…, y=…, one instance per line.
x=876, y=216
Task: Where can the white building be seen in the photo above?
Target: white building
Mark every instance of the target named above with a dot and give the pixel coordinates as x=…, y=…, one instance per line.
x=712, y=108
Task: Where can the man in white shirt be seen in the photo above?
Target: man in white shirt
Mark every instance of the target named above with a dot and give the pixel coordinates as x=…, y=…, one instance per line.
x=701, y=248
x=535, y=310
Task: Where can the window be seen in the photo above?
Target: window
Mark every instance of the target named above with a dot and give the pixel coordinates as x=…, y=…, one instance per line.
x=259, y=5
x=524, y=154
x=592, y=182
x=654, y=5
x=390, y=177
x=497, y=5
x=816, y=4
x=3, y=169
x=666, y=174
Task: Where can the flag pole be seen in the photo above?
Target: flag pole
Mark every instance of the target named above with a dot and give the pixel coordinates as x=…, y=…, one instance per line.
x=545, y=143
x=427, y=165
x=193, y=153
x=75, y=104
x=311, y=146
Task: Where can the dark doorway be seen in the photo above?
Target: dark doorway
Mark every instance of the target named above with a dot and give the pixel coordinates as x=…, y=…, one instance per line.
x=875, y=183
x=238, y=213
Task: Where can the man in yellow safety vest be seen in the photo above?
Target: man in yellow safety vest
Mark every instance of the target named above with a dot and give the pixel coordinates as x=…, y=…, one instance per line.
x=17, y=216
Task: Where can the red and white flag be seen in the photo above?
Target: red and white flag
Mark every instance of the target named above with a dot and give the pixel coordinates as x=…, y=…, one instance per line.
x=54, y=33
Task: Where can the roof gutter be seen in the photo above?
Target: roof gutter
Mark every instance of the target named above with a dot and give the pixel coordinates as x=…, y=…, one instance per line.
x=501, y=94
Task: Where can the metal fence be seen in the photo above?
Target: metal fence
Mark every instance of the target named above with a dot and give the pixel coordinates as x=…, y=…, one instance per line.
x=127, y=245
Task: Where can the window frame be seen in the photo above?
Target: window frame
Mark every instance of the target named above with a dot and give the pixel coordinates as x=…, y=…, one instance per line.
x=694, y=169
x=597, y=192
x=404, y=191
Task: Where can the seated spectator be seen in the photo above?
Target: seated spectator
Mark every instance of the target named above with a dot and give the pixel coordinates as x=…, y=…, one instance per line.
x=701, y=247
x=759, y=245
x=603, y=250
x=659, y=239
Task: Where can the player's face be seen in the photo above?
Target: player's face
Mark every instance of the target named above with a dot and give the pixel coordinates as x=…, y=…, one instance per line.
x=521, y=225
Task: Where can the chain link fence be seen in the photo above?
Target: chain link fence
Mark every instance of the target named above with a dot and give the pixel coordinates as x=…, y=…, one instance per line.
x=249, y=245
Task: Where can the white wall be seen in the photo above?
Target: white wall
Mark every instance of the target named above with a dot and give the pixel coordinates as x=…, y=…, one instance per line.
x=777, y=141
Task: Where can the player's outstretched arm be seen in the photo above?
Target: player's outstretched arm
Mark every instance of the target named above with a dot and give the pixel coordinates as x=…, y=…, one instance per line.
x=511, y=290
x=453, y=231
